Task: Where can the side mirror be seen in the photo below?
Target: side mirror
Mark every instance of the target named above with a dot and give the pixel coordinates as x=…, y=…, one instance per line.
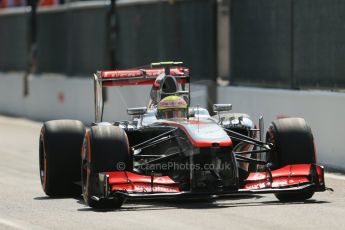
x=138, y=111
x=222, y=107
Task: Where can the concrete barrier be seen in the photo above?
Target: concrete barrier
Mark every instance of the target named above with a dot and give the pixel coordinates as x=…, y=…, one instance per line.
x=56, y=97
x=323, y=111
x=11, y=91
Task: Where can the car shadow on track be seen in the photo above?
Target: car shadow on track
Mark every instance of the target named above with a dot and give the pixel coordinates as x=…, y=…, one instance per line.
x=54, y=198
x=215, y=203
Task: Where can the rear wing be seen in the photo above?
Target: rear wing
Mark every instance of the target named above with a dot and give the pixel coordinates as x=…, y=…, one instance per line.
x=139, y=76
x=147, y=76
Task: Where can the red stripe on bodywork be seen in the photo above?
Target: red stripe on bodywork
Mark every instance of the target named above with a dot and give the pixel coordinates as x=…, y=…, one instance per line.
x=289, y=170
x=125, y=177
x=277, y=182
x=136, y=81
x=144, y=187
x=141, y=77
x=131, y=182
x=153, y=72
x=285, y=176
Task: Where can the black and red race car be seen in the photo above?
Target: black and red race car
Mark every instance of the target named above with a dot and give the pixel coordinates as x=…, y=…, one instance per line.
x=195, y=156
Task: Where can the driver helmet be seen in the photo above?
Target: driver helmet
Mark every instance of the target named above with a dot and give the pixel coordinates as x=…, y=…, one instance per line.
x=172, y=107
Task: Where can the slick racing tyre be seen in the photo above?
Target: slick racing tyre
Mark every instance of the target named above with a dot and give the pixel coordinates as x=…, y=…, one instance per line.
x=293, y=143
x=59, y=157
x=105, y=149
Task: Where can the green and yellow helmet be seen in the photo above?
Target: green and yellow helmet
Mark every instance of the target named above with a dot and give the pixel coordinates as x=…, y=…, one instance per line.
x=172, y=107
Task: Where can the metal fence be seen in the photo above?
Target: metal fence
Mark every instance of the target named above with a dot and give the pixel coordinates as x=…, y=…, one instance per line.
x=72, y=40
x=288, y=43
x=181, y=31
x=75, y=39
x=285, y=43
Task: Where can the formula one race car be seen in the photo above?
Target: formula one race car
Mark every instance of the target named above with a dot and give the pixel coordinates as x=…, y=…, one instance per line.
x=172, y=150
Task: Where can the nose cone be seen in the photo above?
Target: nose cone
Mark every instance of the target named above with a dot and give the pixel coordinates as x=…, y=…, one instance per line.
x=203, y=133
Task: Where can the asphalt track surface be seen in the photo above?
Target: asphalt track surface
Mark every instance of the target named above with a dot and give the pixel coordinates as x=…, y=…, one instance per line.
x=23, y=205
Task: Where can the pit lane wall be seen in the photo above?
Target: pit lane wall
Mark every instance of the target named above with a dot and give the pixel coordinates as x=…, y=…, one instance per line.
x=57, y=97
x=53, y=96
x=323, y=111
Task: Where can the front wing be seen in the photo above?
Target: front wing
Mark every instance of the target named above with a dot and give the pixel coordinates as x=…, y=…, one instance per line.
x=288, y=179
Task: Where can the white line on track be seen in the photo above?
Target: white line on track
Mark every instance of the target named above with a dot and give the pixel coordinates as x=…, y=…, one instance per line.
x=335, y=176
x=10, y=224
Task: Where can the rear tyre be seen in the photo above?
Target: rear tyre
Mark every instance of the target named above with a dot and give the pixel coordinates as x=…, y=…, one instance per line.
x=293, y=143
x=105, y=149
x=59, y=157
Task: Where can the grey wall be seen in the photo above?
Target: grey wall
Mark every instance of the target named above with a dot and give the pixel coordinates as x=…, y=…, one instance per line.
x=285, y=43
x=162, y=31
x=13, y=41
x=288, y=43
x=320, y=43
x=260, y=36
x=71, y=41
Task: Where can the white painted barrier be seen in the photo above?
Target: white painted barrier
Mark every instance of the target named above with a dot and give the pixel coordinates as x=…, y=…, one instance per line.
x=11, y=100
x=323, y=111
x=57, y=97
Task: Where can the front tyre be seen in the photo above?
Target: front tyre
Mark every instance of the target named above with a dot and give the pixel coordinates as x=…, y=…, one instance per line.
x=293, y=143
x=105, y=148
